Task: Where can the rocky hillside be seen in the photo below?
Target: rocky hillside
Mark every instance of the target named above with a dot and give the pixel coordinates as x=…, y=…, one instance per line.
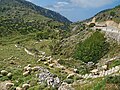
x=40, y=52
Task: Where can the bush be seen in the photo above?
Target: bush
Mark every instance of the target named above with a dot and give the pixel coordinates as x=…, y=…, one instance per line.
x=92, y=49
x=113, y=80
x=69, y=81
x=112, y=13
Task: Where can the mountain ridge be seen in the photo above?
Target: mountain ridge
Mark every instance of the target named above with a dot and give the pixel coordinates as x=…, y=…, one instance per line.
x=107, y=14
x=40, y=10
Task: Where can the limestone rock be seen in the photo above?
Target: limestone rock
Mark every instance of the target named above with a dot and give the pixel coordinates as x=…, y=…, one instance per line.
x=9, y=75
x=51, y=79
x=51, y=65
x=70, y=75
x=45, y=63
x=4, y=72
x=65, y=86
x=29, y=69
x=26, y=73
x=9, y=85
x=94, y=71
x=25, y=86
x=18, y=88
x=36, y=68
x=104, y=67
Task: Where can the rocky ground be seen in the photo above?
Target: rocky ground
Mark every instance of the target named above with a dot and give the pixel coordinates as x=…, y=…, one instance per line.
x=49, y=79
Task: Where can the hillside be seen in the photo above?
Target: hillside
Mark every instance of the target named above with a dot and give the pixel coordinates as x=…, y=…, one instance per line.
x=17, y=7
x=109, y=14
x=42, y=50
x=19, y=17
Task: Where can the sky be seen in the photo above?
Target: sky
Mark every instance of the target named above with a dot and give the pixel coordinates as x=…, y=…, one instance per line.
x=77, y=10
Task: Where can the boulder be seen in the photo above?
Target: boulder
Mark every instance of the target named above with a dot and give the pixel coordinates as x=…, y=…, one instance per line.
x=12, y=62
x=94, y=71
x=36, y=68
x=61, y=67
x=18, y=88
x=9, y=85
x=45, y=63
x=25, y=68
x=9, y=75
x=117, y=67
x=25, y=86
x=29, y=65
x=86, y=75
x=43, y=53
x=90, y=64
x=4, y=72
x=76, y=70
x=104, y=67
x=71, y=75
x=43, y=58
x=49, y=78
x=51, y=65
x=29, y=69
x=48, y=58
x=26, y=73
x=65, y=86
x=49, y=61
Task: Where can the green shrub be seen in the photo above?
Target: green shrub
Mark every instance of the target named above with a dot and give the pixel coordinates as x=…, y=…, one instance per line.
x=114, y=63
x=113, y=80
x=35, y=88
x=69, y=81
x=100, y=85
x=92, y=49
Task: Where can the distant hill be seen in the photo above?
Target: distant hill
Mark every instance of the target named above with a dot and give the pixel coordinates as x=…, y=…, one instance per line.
x=24, y=7
x=20, y=17
x=109, y=14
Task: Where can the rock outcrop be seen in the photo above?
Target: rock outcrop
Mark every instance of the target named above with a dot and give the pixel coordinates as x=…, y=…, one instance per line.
x=46, y=76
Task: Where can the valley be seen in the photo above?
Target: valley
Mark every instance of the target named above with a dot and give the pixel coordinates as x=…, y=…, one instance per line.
x=42, y=50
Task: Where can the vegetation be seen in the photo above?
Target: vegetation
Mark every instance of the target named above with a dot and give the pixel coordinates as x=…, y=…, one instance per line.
x=113, y=79
x=93, y=48
x=22, y=7
x=108, y=14
x=25, y=25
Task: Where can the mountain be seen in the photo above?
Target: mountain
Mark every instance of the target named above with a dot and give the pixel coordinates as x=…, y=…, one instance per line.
x=109, y=14
x=22, y=5
x=20, y=17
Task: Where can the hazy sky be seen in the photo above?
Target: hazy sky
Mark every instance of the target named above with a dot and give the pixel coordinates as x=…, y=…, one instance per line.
x=76, y=10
